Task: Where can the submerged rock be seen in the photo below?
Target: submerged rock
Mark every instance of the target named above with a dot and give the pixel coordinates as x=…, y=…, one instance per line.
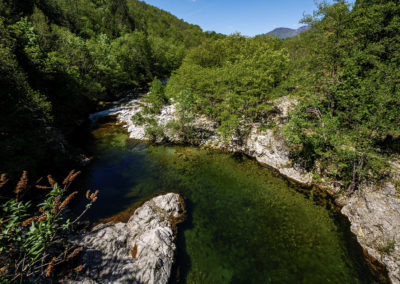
x=139, y=251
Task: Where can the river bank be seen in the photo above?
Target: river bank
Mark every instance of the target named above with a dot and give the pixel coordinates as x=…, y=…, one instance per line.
x=373, y=211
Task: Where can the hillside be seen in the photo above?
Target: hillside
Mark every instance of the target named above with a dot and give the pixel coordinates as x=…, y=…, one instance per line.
x=60, y=59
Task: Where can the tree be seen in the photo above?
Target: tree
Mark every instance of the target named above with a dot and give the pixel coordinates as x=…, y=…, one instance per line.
x=156, y=97
x=233, y=80
x=353, y=93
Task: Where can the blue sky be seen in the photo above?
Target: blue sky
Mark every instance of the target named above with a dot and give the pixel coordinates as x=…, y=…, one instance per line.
x=249, y=17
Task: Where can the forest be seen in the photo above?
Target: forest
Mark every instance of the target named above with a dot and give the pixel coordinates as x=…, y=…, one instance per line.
x=61, y=60
x=344, y=71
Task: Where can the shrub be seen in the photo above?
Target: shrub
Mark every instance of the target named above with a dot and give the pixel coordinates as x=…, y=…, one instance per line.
x=34, y=242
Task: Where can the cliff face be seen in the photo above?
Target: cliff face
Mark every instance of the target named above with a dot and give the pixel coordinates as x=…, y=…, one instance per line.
x=139, y=251
x=374, y=214
x=373, y=211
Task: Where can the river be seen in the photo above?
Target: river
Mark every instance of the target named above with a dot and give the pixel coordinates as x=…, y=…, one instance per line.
x=245, y=224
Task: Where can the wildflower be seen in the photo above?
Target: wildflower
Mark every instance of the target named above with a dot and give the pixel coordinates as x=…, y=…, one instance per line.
x=22, y=184
x=50, y=266
x=42, y=218
x=56, y=203
x=4, y=268
x=52, y=182
x=3, y=180
x=74, y=253
x=29, y=221
x=41, y=186
x=66, y=201
x=93, y=196
x=71, y=177
x=78, y=268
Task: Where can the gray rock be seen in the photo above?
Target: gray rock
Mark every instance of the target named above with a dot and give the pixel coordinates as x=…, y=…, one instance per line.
x=140, y=251
x=374, y=214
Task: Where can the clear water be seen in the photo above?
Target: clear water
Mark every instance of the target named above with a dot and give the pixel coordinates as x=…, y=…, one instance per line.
x=245, y=225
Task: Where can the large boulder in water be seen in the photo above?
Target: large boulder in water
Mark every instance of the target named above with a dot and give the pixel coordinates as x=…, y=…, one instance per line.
x=139, y=251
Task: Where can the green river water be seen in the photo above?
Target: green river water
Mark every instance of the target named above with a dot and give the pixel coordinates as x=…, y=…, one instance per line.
x=245, y=224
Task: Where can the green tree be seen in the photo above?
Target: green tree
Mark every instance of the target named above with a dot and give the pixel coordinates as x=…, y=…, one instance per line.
x=352, y=94
x=156, y=97
x=233, y=79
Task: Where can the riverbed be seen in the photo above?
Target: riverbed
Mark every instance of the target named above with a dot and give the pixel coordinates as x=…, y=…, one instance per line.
x=244, y=223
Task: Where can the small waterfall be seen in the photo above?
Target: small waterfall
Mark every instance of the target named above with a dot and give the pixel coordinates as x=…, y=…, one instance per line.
x=108, y=112
x=119, y=107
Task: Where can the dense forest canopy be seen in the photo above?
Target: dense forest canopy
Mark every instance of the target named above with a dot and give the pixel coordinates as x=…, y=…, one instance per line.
x=60, y=58
x=347, y=124
x=232, y=79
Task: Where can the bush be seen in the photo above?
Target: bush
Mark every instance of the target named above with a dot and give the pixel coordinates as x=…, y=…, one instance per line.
x=156, y=97
x=153, y=130
x=34, y=242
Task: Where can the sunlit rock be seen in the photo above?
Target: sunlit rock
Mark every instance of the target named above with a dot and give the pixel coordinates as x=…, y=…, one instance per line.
x=139, y=251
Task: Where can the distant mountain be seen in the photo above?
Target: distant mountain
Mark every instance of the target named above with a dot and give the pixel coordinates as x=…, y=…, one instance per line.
x=286, y=32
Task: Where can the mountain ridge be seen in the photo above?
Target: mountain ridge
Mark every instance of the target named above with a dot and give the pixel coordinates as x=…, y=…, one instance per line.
x=284, y=33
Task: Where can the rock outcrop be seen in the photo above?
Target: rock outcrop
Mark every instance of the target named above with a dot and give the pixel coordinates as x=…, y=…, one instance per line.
x=266, y=146
x=139, y=251
x=373, y=211
x=374, y=214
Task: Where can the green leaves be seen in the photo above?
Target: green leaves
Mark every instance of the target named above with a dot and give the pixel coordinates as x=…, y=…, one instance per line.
x=228, y=124
x=59, y=59
x=156, y=97
x=233, y=79
x=32, y=238
x=347, y=55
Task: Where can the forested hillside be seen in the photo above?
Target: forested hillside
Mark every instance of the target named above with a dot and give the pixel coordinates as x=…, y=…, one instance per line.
x=344, y=71
x=60, y=58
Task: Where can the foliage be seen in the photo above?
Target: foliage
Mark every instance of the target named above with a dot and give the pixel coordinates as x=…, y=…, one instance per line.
x=389, y=247
x=232, y=80
x=183, y=126
x=33, y=243
x=351, y=58
x=154, y=100
x=153, y=130
x=59, y=59
x=344, y=71
x=156, y=97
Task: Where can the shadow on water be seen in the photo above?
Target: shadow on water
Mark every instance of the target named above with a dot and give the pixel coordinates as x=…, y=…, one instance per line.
x=183, y=263
x=376, y=272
